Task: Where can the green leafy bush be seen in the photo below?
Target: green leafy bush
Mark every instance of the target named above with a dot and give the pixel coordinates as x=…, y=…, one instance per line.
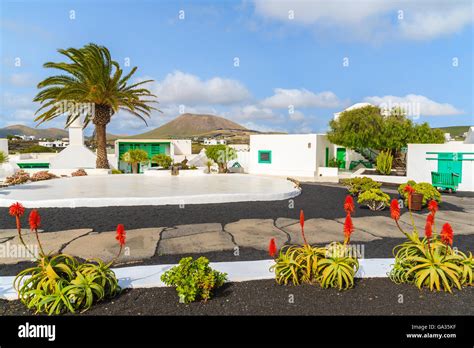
x=162, y=160
x=37, y=149
x=428, y=191
x=135, y=156
x=374, y=198
x=116, y=171
x=356, y=186
x=194, y=279
x=221, y=154
x=335, y=163
x=384, y=162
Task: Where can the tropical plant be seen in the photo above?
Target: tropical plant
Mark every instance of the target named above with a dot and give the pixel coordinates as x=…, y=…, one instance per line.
x=20, y=177
x=3, y=157
x=428, y=191
x=162, y=160
x=430, y=262
x=79, y=172
x=335, y=163
x=221, y=154
x=374, y=198
x=384, y=162
x=331, y=266
x=93, y=84
x=116, y=171
x=194, y=279
x=135, y=156
x=60, y=283
x=43, y=175
x=356, y=186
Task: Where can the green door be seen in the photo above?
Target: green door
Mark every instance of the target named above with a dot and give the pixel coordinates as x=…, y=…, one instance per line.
x=326, y=160
x=450, y=162
x=341, y=157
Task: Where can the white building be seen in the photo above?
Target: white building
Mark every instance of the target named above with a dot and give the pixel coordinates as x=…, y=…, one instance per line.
x=294, y=155
x=212, y=141
x=177, y=149
x=55, y=144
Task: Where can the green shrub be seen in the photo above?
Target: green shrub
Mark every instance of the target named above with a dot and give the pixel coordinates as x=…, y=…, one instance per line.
x=37, y=149
x=194, y=279
x=384, y=162
x=3, y=157
x=162, y=160
x=135, y=156
x=335, y=163
x=356, y=186
x=221, y=154
x=374, y=198
x=428, y=191
x=116, y=171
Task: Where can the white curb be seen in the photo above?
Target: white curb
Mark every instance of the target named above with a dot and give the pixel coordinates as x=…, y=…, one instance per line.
x=238, y=271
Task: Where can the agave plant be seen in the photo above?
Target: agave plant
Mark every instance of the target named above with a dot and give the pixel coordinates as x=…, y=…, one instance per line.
x=338, y=268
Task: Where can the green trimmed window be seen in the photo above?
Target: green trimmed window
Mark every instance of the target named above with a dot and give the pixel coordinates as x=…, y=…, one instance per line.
x=264, y=156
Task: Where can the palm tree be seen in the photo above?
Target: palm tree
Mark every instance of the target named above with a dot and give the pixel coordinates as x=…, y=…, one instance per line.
x=94, y=88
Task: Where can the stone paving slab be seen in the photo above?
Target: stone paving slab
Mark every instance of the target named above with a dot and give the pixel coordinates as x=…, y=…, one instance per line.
x=319, y=231
x=196, y=243
x=420, y=222
x=52, y=243
x=140, y=244
x=456, y=216
x=283, y=222
x=187, y=230
x=255, y=233
x=380, y=226
x=7, y=234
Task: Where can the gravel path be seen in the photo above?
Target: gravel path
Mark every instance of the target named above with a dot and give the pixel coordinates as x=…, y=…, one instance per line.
x=264, y=297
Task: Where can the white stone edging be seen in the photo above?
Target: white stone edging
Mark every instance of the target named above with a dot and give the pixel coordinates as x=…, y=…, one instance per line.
x=237, y=271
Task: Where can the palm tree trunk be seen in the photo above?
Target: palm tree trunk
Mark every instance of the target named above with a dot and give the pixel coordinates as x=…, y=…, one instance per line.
x=101, y=119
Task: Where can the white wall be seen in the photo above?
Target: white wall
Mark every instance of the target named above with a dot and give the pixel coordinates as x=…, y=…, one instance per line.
x=182, y=147
x=419, y=168
x=74, y=157
x=290, y=154
x=4, y=146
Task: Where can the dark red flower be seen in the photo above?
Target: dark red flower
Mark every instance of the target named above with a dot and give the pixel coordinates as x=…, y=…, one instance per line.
x=395, y=210
x=433, y=206
x=272, y=247
x=301, y=218
x=430, y=219
x=120, y=236
x=428, y=229
x=34, y=220
x=409, y=189
x=447, y=234
x=348, y=228
x=16, y=209
x=349, y=204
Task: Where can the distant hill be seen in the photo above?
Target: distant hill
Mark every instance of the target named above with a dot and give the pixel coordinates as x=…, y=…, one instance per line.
x=19, y=129
x=202, y=126
x=455, y=131
x=191, y=125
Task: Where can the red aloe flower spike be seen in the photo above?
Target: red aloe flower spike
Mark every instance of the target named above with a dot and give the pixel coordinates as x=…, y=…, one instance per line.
x=447, y=234
x=433, y=206
x=410, y=190
x=348, y=228
x=120, y=236
x=35, y=222
x=349, y=204
x=395, y=210
x=272, y=248
x=428, y=230
x=302, y=226
x=17, y=210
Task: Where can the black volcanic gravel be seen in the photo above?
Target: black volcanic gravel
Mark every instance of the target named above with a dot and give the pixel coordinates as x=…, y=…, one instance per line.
x=376, y=296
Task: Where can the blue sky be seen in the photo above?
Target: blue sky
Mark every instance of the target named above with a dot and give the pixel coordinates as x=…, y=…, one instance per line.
x=292, y=72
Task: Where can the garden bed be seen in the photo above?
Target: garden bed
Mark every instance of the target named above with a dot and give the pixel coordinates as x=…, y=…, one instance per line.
x=375, y=296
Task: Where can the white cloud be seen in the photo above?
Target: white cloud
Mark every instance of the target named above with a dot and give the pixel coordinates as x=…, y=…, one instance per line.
x=415, y=105
x=10, y=100
x=301, y=98
x=21, y=80
x=263, y=128
x=251, y=112
x=182, y=88
x=373, y=19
